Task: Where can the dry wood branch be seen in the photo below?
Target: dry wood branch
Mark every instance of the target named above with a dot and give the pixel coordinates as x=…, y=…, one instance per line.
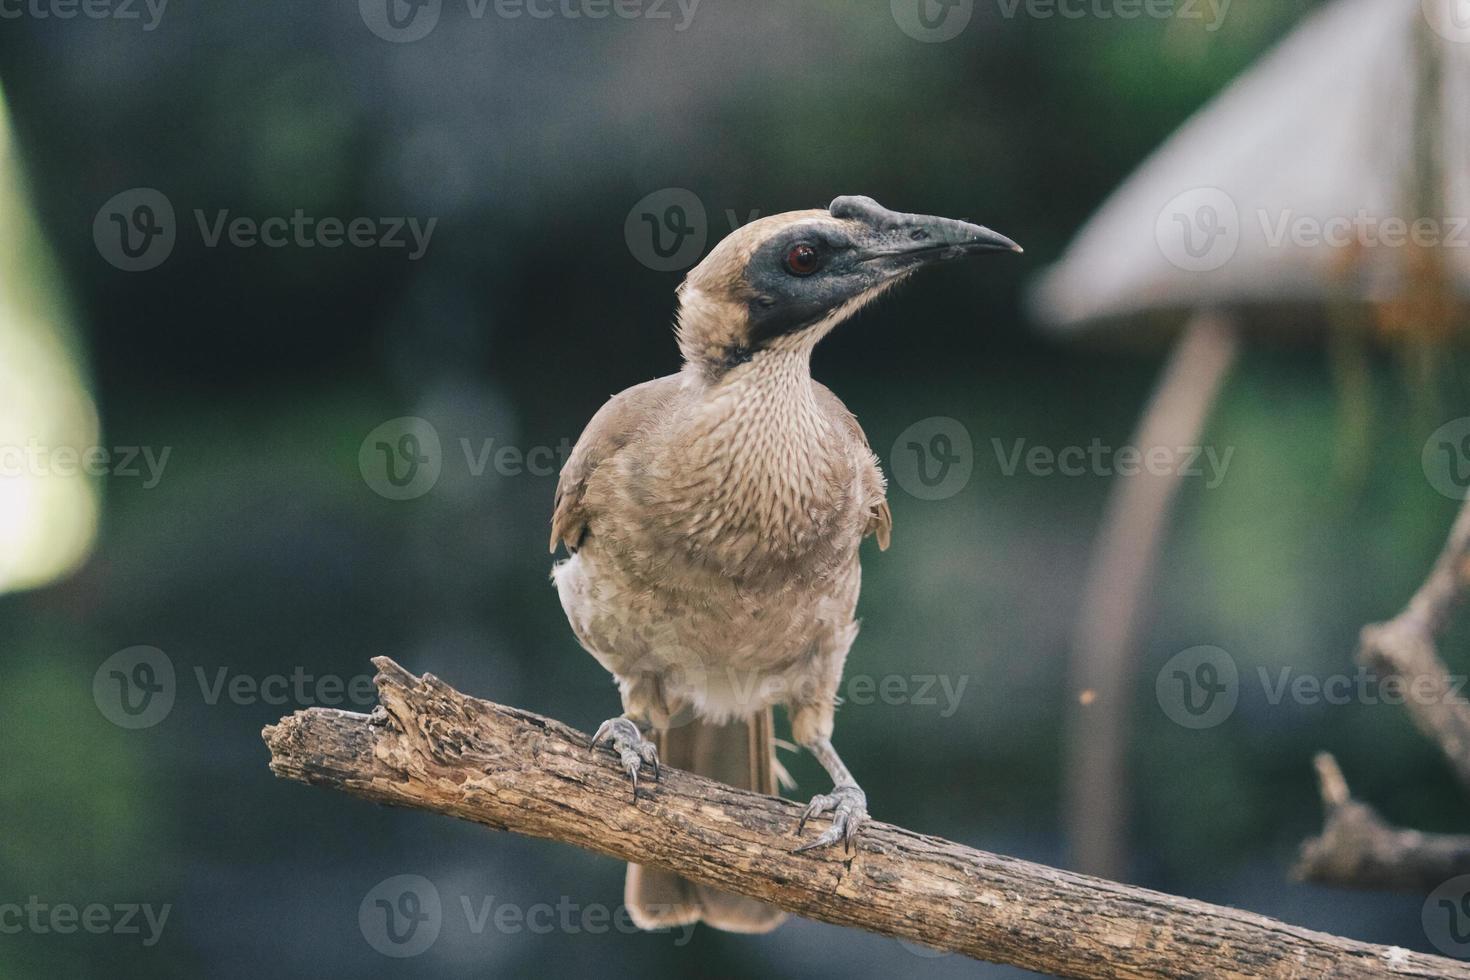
x=1404, y=647
x=433, y=748
x=1359, y=849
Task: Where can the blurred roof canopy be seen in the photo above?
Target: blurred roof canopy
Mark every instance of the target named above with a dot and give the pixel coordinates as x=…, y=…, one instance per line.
x=1300, y=184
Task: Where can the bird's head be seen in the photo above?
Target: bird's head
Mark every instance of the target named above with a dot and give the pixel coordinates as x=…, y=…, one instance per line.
x=783, y=282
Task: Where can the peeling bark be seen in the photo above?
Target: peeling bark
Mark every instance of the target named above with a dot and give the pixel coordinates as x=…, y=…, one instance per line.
x=430, y=747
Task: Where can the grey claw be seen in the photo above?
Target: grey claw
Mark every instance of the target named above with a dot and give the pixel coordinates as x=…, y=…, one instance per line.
x=849, y=806
x=827, y=839
x=818, y=804
x=603, y=730
x=632, y=749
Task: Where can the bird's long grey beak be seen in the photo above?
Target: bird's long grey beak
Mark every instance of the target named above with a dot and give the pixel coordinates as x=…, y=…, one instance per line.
x=900, y=242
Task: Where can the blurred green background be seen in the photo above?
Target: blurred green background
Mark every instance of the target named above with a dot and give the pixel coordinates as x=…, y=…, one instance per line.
x=262, y=549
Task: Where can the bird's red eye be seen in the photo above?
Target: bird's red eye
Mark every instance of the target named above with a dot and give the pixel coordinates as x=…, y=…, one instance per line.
x=802, y=259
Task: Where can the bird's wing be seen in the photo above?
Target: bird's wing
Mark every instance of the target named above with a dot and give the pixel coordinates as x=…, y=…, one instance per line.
x=880, y=517
x=614, y=425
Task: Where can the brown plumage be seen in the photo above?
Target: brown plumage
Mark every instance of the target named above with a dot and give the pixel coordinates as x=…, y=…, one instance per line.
x=714, y=516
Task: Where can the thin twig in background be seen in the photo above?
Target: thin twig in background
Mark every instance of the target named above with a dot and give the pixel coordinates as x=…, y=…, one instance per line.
x=1357, y=848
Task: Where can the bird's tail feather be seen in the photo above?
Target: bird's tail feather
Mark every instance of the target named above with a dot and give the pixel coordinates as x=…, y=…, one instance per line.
x=740, y=753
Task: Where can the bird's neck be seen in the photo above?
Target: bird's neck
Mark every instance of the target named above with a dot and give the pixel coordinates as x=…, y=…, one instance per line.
x=760, y=455
x=767, y=403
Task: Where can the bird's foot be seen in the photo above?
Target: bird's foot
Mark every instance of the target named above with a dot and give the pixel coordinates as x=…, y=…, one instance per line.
x=630, y=745
x=849, y=806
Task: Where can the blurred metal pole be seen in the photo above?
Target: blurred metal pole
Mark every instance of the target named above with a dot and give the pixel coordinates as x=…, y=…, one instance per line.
x=1104, y=656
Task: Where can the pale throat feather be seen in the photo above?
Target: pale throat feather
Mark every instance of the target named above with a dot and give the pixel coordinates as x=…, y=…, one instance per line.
x=768, y=459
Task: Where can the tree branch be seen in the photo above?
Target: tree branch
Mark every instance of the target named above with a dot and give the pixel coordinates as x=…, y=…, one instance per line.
x=1405, y=647
x=1359, y=849
x=433, y=748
